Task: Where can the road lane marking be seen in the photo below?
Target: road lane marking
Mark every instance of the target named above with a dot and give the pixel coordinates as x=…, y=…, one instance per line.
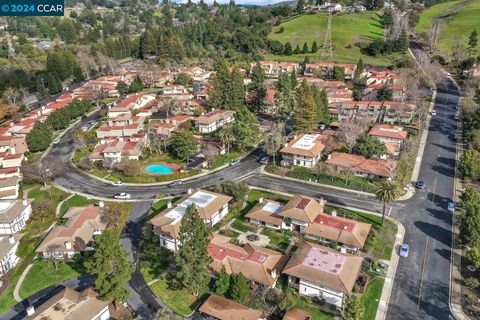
x=423, y=273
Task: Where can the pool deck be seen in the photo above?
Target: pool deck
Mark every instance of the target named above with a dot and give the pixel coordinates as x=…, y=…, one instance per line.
x=175, y=167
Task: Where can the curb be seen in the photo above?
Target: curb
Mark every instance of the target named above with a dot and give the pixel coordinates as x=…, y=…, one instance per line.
x=262, y=171
x=391, y=272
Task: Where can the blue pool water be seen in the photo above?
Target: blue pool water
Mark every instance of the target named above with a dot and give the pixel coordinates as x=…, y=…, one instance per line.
x=159, y=169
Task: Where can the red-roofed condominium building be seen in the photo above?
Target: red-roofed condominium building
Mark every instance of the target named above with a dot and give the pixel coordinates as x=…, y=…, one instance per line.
x=259, y=265
x=321, y=272
x=305, y=150
x=76, y=235
x=214, y=120
x=211, y=206
x=305, y=215
x=362, y=166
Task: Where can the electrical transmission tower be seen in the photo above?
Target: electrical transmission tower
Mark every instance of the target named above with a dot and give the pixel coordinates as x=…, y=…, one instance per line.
x=327, y=53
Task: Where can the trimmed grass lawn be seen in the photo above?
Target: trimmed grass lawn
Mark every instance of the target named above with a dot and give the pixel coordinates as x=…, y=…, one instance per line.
x=304, y=303
x=277, y=239
x=459, y=19
x=179, y=300
x=43, y=274
x=349, y=32
x=76, y=201
x=224, y=159
x=371, y=298
x=242, y=226
x=55, y=194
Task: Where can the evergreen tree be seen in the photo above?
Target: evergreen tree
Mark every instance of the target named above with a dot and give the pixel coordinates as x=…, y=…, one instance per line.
x=245, y=129
x=473, y=41
x=235, y=91
x=338, y=73
x=402, y=42
x=257, y=87
x=385, y=94
x=288, y=49
x=192, y=259
x=321, y=100
x=239, y=288
x=222, y=283
x=387, y=18
x=297, y=50
x=370, y=147
x=300, y=5
x=359, y=70
x=314, y=47
x=122, y=88
x=54, y=84
x=77, y=74
x=305, y=48
x=110, y=267
x=219, y=80
x=40, y=137
x=136, y=85
x=182, y=145
x=305, y=116
x=284, y=96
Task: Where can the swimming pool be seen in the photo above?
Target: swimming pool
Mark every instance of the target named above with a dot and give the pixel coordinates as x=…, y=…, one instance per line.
x=159, y=169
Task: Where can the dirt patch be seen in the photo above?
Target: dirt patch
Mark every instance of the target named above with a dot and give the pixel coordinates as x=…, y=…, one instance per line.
x=319, y=34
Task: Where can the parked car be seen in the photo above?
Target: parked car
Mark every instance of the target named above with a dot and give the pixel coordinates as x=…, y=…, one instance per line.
x=234, y=162
x=84, y=129
x=420, y=185
x=175, y=183
x=84, y=117
x=56, y=141
x=322, y=127
x=456, y=116
x=92, y=122
x=434, y=112
x=123, y=196
x=404, y=250
x=117, y=183
x=264, y=160
x=451, y=206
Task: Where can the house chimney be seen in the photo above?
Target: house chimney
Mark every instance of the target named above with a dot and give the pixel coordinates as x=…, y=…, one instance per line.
x=169, y=204
x=30, y=311
x=273, y=273
x=11, y=240
x=260, y=200
x=334, y=213
x=101, y=204
x=68, y=245
x=189, y=191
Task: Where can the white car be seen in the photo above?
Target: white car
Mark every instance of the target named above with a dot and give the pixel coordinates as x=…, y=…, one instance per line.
x=434, y=112
x=84, y=129
x=56, y=141
x=123, y=196
x=117, y=183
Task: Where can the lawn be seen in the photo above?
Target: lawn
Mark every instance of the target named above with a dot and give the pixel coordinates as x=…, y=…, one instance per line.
x=52, y=193
x=349, y=182
x=224, y=159
x=371, y=298
x=277, y=239
x=306, y=304
x=350, y=31
x=459, y=19
x=179, y=300
x=43, y=274
x=76, y=201
x=242, y=226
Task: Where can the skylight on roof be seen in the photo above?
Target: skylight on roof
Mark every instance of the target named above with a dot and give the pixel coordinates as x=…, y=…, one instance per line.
x=307, y=142
x=272, y=207
x=199, y=198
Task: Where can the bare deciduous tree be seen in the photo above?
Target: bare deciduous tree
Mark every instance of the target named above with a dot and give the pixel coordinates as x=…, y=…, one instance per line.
x=79, y=139
x=97, y=94
x=14, y=95
x=111, y=214
x=351, y=131
x=87, y=64
x=275, y=140
x=43, y=170
x=210, y=152
x=433, y=33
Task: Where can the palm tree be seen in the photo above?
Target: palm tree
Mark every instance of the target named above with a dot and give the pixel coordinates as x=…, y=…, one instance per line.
x=387, y=192
x=226, y=136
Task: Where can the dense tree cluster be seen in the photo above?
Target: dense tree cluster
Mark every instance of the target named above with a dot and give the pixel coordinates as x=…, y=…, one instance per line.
x=311, y=107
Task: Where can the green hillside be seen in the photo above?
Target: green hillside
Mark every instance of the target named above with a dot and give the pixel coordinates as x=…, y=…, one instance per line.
x=459, y=18
x=349, y=31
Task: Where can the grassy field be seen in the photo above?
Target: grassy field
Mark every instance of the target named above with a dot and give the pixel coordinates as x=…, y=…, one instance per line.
x=76, y=201
x=459, y=19
x=179, y=300
x=371, y=298
x=349, y=31
x=43, y=274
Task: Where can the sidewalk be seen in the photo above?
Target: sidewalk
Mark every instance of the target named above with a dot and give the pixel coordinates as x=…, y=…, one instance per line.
x=16, y=294
x=390, y=276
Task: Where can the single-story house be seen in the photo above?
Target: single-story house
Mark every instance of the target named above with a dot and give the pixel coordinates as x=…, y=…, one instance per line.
x=362, y=166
